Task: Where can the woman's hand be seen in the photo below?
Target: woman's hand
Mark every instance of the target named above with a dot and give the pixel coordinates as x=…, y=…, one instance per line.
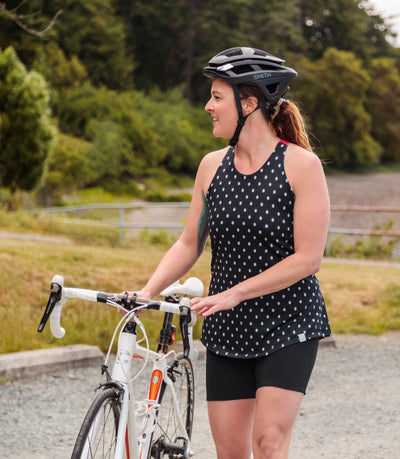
x=139, y=294
x=210, y=304
x=122, y=312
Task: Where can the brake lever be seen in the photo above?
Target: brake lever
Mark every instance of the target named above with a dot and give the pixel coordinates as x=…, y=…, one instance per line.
x=55, y=297
x=184, y=320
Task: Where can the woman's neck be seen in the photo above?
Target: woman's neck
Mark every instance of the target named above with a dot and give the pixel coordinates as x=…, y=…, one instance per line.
x=256, y=142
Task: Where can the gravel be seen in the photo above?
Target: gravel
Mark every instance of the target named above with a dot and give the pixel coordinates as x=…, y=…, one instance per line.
x=351, y=410
x=373, y=190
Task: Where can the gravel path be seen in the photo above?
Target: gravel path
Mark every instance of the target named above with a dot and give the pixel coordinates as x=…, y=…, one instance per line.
x=352, y=408
x=375, y=190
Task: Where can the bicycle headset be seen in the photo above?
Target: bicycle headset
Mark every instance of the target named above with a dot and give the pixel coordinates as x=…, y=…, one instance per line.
x=251, y=66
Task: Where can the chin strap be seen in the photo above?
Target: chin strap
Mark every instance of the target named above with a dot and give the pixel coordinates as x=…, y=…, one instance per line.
x=242, y=119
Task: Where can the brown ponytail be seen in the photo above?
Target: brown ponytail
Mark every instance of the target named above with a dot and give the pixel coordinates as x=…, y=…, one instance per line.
x=287, y=121
x=289, y=124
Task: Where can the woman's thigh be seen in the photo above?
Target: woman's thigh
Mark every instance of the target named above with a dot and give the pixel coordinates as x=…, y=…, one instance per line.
x=275, y=416
x=231, y=424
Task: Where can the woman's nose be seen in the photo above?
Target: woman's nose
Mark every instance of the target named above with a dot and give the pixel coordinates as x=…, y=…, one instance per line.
x=208, y=106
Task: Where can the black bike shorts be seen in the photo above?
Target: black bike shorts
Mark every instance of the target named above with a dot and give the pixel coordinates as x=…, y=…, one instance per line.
x=288, y=368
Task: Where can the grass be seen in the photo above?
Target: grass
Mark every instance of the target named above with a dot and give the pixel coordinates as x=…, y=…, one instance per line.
x=27, y=267
x=361, y=298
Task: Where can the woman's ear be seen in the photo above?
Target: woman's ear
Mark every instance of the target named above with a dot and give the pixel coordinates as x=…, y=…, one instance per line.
x=249, y=105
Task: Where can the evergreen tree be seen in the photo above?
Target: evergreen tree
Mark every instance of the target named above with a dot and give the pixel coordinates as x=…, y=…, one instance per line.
x=190, y=32
x=27, y=133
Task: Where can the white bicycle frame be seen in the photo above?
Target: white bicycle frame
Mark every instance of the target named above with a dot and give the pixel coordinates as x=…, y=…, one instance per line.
x=140, y=420
x=137, y=421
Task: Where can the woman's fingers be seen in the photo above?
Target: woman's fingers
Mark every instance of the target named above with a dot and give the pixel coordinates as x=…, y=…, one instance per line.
x=208, y=305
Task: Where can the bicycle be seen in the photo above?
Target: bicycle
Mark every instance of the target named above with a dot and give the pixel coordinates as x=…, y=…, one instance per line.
x=117, y=424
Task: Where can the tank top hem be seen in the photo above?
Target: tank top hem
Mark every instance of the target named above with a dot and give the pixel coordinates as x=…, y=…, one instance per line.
x=255, y=355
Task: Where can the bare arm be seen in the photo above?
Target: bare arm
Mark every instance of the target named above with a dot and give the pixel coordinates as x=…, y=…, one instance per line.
x=311, y=219
x=188, y=248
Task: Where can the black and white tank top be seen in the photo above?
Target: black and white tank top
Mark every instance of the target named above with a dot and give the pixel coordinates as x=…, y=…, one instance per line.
x=251, y=229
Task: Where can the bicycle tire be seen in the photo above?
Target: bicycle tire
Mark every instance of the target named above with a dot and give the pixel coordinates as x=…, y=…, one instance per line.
x=166, y=428
x=102, y=418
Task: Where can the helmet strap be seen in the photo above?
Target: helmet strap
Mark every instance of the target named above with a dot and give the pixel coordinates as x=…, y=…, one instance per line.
x=242, y=119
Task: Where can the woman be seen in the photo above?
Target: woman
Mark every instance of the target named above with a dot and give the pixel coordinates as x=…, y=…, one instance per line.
x=264, y=202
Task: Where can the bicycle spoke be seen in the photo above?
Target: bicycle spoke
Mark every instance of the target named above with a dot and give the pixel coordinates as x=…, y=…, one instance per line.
x=98, y=434
x=167, y=428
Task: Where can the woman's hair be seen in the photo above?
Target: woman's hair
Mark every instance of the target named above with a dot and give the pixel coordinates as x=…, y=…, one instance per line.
x=286, y=119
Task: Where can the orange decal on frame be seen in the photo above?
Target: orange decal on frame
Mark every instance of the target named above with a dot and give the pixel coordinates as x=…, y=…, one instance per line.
x=156, y=380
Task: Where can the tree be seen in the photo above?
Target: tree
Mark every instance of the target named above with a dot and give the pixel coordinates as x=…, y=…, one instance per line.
x=384, y=107
x=27, y=133
x=89, y=31
x=333, y=92
x=60, y=73
x=94, y=33
x=348, y=25
x=190, y=32
x=18, y=15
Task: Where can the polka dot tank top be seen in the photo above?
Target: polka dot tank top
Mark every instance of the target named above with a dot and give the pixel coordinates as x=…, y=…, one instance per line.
x=251, y=229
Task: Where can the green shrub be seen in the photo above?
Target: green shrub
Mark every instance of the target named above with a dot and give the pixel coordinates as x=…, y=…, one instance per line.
x=162, y=196
x=69, y=168
x=185, y=131
x=158, y=237
x=375, y=246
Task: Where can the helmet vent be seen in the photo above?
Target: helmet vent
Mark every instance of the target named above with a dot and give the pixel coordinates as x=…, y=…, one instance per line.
x=272, y=88
x=260, y=67
x=243, y=69
x=234, y=52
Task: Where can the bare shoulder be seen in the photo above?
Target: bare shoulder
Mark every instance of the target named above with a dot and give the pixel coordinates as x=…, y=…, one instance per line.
x=300, y=157
x=301, y=164
x=208, y=167
x=213, y=157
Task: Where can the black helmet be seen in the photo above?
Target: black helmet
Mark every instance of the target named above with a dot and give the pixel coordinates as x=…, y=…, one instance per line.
x=251, y=66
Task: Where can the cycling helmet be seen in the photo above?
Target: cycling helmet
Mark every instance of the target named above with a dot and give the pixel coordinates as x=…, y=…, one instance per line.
x=250, y=66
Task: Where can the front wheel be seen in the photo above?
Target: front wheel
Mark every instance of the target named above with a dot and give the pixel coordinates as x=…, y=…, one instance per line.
x=97, y=437
x=167, y=429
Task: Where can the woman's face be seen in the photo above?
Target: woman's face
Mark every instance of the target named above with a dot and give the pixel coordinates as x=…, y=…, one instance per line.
x=222, y=108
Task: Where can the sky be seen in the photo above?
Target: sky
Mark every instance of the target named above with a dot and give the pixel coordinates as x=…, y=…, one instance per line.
x=387, y=8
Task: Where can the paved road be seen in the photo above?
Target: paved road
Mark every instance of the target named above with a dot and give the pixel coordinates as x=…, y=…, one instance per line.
x=352, y=408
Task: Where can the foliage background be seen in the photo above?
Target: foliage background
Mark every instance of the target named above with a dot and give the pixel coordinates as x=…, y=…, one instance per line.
x=110, y=93
x=111, y=96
